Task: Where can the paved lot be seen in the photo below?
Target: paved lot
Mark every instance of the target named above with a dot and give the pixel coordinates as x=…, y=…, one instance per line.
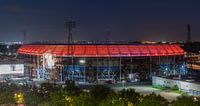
x=147, y=89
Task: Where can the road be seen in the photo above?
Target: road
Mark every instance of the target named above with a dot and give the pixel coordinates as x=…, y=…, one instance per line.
x=147, y=89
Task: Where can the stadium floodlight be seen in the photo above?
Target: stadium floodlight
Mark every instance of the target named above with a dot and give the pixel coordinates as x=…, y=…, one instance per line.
x=7, y=46
x=82, y=61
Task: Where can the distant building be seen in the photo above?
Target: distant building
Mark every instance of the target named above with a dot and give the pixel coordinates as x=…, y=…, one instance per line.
x=9, y=48
x=11, y=70
x=190, y=87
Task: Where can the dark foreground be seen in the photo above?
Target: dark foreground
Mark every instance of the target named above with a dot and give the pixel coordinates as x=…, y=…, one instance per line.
x=70, y=95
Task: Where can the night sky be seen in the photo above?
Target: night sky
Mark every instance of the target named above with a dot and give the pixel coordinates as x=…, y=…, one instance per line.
x=153, y=20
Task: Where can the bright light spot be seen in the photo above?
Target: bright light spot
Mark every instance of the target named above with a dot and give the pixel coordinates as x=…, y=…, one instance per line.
x=68, y=99
x=7, y=46
x=82, y=61
x=49, y=60
x=19, y=97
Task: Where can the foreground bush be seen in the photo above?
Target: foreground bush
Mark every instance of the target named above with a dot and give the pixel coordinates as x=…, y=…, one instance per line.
x=185, y=101
x=153, y=100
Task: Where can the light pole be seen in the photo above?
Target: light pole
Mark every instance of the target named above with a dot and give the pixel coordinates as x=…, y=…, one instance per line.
x=69, y=26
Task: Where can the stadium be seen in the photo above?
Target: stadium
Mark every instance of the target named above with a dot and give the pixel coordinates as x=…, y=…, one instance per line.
x=102, y=62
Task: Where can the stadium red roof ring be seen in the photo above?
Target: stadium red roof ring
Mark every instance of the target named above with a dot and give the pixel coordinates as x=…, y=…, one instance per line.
x=102, y=50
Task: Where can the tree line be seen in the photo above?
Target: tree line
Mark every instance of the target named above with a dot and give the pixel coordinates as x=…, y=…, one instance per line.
x=70, y=95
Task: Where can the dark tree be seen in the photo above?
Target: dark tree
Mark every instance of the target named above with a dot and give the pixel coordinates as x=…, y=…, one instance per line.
x=100, y=92
x=130, y=95
x=72, y=89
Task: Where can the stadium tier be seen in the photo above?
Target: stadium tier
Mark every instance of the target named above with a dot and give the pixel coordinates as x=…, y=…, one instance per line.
x=94, y=62
x=102, y=50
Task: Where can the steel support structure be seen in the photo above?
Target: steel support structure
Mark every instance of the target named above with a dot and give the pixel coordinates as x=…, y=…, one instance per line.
x=84, y=70
x=69, y=26
x=120, y=69
x=97, y=66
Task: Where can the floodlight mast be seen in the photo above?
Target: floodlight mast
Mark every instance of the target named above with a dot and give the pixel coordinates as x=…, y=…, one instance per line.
x=24, y=36
x=108, y=37
x=188, y=33
x=70, y=25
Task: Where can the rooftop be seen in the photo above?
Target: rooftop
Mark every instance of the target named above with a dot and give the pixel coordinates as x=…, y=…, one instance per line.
x=94, y=50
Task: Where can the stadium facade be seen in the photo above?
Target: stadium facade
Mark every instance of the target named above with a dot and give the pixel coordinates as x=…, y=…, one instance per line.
x=98, y=62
